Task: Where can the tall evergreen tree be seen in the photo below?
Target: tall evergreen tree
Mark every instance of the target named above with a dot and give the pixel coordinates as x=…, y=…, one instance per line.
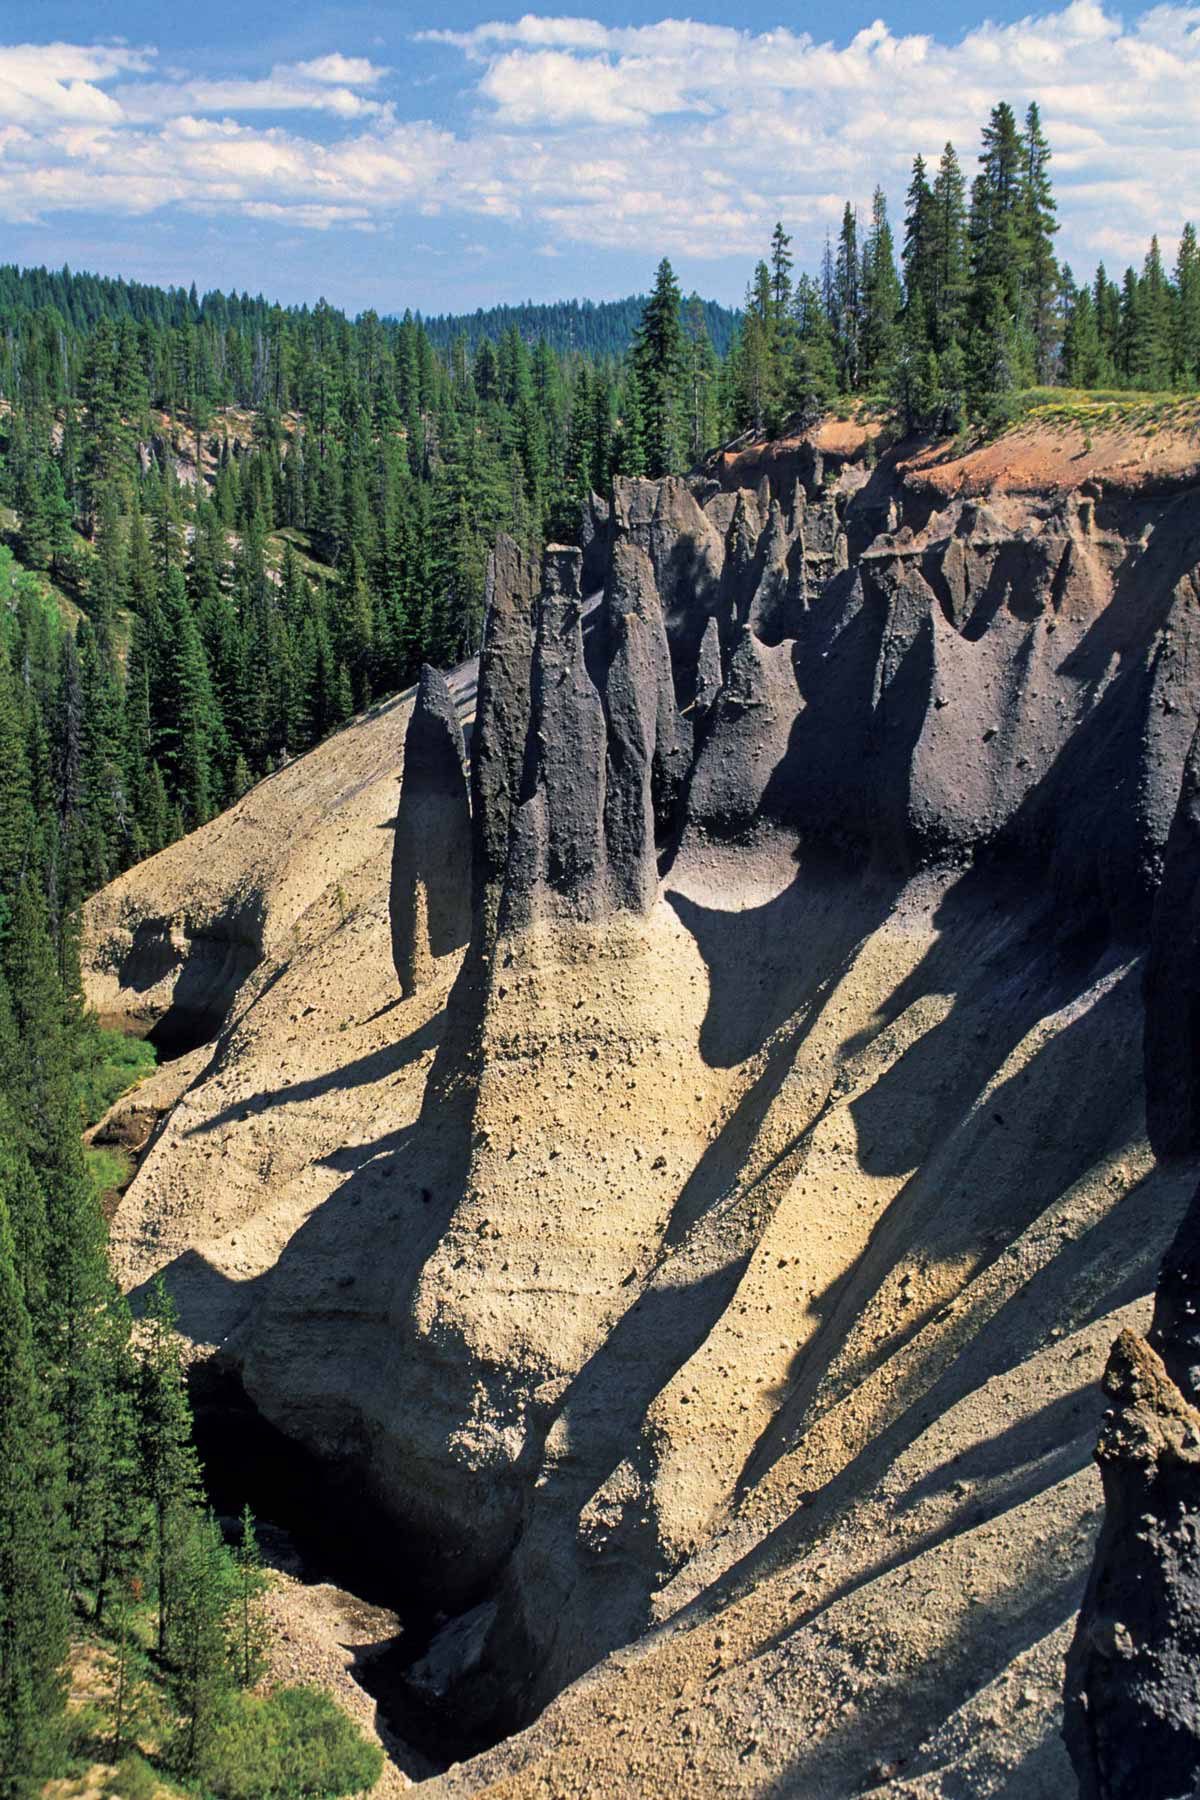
x=1083, y=361
x=658, y=365
x=1186, y=347
x=1038, y=226
x=847, y=303
x=881, y=298
x=920, y=241
x=33, y=1614
x=170, y=1469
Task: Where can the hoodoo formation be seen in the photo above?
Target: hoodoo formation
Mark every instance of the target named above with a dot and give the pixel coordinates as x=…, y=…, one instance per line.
x=708, y=1265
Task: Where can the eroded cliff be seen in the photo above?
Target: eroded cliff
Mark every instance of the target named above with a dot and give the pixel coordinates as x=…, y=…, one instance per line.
x=710, y=1264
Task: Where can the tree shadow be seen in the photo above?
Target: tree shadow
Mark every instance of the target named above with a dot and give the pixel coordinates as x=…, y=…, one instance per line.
x=376, y=1065
x=1097, y=1268
x=927, y=1221
x=1039, y=1596
x=1144, y=593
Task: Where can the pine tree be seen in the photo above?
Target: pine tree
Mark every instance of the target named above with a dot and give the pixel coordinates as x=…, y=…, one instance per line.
x=812, y=378
x=781, y=272
x=999, y=344
x=204, y=1598
x=701, y=379
x=658, y=367
x=78, y=1283
x=603, y=449
x=21, y=1187
x=186, y=724
x=1144, y=341
x=250, y=1638
x=998, y=210
x=1186, y=348
x=130, y=1691
x=757, y=370
x=169, y=1466
x=629, y=448
x=33, y=1613
x=140, y=563
x=848, y=303
x=1038, y=225
x=1083, y=361
x=950, y=280
x=16, y=791
x=920, y=242
x=121, y=1521
x=915, y=383
x=1106, y=301
x=881, y=298
x=102, y=802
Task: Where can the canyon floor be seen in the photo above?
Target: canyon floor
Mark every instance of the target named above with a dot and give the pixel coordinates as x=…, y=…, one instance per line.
x=813, y=1199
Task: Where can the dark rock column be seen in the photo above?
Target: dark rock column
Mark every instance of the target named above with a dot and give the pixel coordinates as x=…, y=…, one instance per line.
x=632, y=592
x=1132, y=1701
x=429, y=900
x=556, y=844
x=1132, y=1719
x=709, y=675
x=1173, y=981
x=630, y=692
x=501, y=713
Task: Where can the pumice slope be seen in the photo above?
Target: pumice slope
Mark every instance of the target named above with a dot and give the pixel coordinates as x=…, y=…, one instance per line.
x=710, y=1264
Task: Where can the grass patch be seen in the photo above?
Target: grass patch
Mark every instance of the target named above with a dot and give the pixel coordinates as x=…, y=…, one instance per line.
x=1106, y=409
x=110, y=1170
x=302, y=549
x=115, y=1064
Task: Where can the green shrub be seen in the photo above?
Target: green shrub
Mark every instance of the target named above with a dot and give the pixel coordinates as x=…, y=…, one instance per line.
x=296, y=1742
x=132, y=1779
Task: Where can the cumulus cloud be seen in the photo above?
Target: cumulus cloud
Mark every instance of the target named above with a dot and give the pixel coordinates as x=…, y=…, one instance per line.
x=677, y=136
x=45, y=83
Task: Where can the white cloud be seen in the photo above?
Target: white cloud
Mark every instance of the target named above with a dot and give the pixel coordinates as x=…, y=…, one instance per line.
x=678, y=136
x=341, y=71
x=327, y=84
x=573, y=34
x=46, y=82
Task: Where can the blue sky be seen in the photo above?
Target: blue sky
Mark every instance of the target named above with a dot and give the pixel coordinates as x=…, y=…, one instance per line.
x=388, y=156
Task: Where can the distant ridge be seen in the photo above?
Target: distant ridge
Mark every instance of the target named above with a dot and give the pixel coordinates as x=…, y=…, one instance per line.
x=596, y=327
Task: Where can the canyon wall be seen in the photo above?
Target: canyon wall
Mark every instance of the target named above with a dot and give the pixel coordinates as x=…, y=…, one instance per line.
x=709, y=1263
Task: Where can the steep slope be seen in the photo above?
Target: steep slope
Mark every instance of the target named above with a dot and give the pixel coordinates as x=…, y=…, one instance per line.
x=709, y=1267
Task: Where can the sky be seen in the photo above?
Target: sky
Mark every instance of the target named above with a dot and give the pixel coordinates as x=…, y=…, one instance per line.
x=445, y=158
